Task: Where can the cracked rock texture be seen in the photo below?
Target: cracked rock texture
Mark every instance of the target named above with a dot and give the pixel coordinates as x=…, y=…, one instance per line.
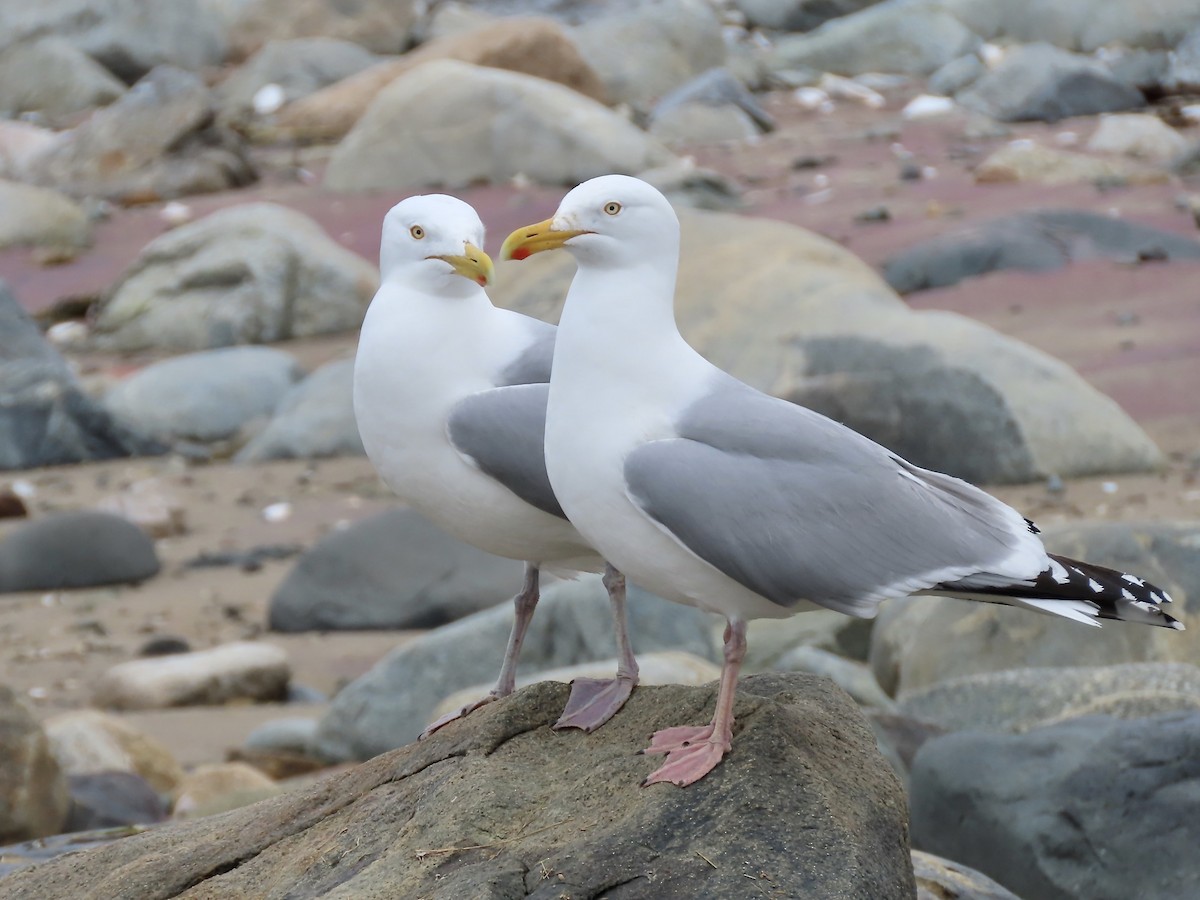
x=500, y=806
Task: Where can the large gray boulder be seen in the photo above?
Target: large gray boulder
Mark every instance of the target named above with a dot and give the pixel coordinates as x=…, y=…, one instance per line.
x=1092, y=809
x=75, y=550
x=451, y=124
x=42, y=217
x=921, y=641
x=254, y=273
x=392, y=703
x=45, y=418
x=381, y=26
x=157, y=141
x=797, y=15
x=33, y=791
x=315, y=419
x=502, y=806
x=54, y=77
x=810, y=322
x=393, y=570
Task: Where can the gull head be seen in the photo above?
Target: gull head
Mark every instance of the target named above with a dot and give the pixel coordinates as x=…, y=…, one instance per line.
x=614, y=220
x=430, y=240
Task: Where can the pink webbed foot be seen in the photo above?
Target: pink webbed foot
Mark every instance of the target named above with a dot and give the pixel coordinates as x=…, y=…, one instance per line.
x=692, y=752
x=594, y=701
x=455, y=716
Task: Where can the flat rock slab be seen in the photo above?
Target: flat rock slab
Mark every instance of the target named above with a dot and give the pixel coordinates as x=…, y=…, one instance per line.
x=500, y=806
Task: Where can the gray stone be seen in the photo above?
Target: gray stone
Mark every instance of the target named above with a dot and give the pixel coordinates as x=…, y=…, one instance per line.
x=941, y=879
x=112, y=799
x=314, y=419
x=646, y=51
x=909, y=39
x=685, y=184
x=1183, y=66
x=52, y=76
x=701, y=123
x=1045, y=83
x=797, y=15
x=75, y=550
x=769, y=639
x=382, y=26
x=1067, y=811
x=127, y=37
x=254, y=273
x=45, y=419
x=157, y=141
x=392, y=570
x=299, y=67
x=1038, y=241
x=451, y=124
x=899, y=738
x=207, y=396
x=295, y=735
x=1138, y=135
x=853, y=677
x=918, y=642
x=716, y=87
x=33, y=791
x=38, y=216
x=392, y=703
x=541, y=805
x=1146, y=70
x=956, y=75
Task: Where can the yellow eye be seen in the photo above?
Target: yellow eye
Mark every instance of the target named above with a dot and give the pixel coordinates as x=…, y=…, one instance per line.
x=417, y=232
x=612, y=207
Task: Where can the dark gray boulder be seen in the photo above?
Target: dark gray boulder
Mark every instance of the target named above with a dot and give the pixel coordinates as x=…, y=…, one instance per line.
x=75, y=550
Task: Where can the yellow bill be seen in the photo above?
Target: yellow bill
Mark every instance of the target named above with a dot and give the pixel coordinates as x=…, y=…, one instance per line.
x=524, y=242
x=473, y=264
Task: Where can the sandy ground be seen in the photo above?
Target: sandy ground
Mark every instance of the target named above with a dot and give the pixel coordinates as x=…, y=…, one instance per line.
x=53, y=646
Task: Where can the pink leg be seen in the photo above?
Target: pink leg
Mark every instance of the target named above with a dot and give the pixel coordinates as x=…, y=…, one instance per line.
x=525, y=603
x=694, y=751
x=594, y=701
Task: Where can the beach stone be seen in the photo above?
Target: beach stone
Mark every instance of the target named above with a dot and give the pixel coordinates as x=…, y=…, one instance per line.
x=294, y=735
x=158, y=141
x=66, y=550
x=701, y=123
x=238, y=671
x=392, y=703
x=54, y=77
x=797, y=15
x=1039, y=241
x=1040, y=82
x=852, y=676
x=504, y=780
x=45, y=418
x=908, y=39
x=1040, y=811
x=899, y=738
x=452, y=124
x=769, y=640
x=204, y=397
x=534, y=46
x=715, y=88
x=111, y=800
x=1139, y=135
x=648, y=49
x=663, y=667
x=299, y=67
x=89, y=742
x=941, y=879
x=253, y=273
x=220, y=787
x=392, y=570
x=1021, y=699
x=314, y=419
x=127, y=38
x=920, y=641
x=687, y=185
x=1182, y=75
x=21, y=143
x=150, y=505
x=956, y=75
x=382, y=26
x=1032, y=163
x=37, y=216
x=33, y=791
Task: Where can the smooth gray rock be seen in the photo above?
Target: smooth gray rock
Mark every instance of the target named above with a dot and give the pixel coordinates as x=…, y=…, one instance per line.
x=1045, y=83
x=314, y=419
x=1038, y=241
x=45, y=419
x=1067, y=812
x=941, y=879
x=42, y=217
x=254, y=273
x=920, y=641
x=392, y=703
x=53, y=76
x=700, y=123
x=381, y=26
x=33, y=791
x=716, y=87
x=157, y=141
x=852, y=676
x=451, y=124
x=956, y=75
x=207, y=396
x=686, y=185
x=294, y=735
x=75, y=550
x=392, y=570
x=797, y=15
x=112, y=799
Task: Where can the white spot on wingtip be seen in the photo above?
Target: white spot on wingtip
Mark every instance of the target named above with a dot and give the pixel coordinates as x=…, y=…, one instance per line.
x=1096, y=586
x=1058, y=573
x=1125, y=595
x=1133, y=579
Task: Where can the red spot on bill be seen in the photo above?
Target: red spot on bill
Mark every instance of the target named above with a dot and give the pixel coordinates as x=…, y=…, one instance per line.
x=520, y=253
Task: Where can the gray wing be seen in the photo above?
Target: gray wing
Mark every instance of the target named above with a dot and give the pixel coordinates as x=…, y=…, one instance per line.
x=533, y=365
x=503, y=432
x=797, y=507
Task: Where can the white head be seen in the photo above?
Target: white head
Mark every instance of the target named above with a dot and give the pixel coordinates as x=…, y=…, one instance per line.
x=429, y=241
x=607, y=222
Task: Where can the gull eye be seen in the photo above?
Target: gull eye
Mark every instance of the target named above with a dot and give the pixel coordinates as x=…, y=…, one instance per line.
x=612, y=207
x=417, y=232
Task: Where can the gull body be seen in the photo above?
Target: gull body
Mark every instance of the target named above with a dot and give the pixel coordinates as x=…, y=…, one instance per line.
x=713, y=494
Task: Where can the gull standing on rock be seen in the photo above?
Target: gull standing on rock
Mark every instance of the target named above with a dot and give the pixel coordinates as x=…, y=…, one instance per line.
x=450, y=397
x=710, y=493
